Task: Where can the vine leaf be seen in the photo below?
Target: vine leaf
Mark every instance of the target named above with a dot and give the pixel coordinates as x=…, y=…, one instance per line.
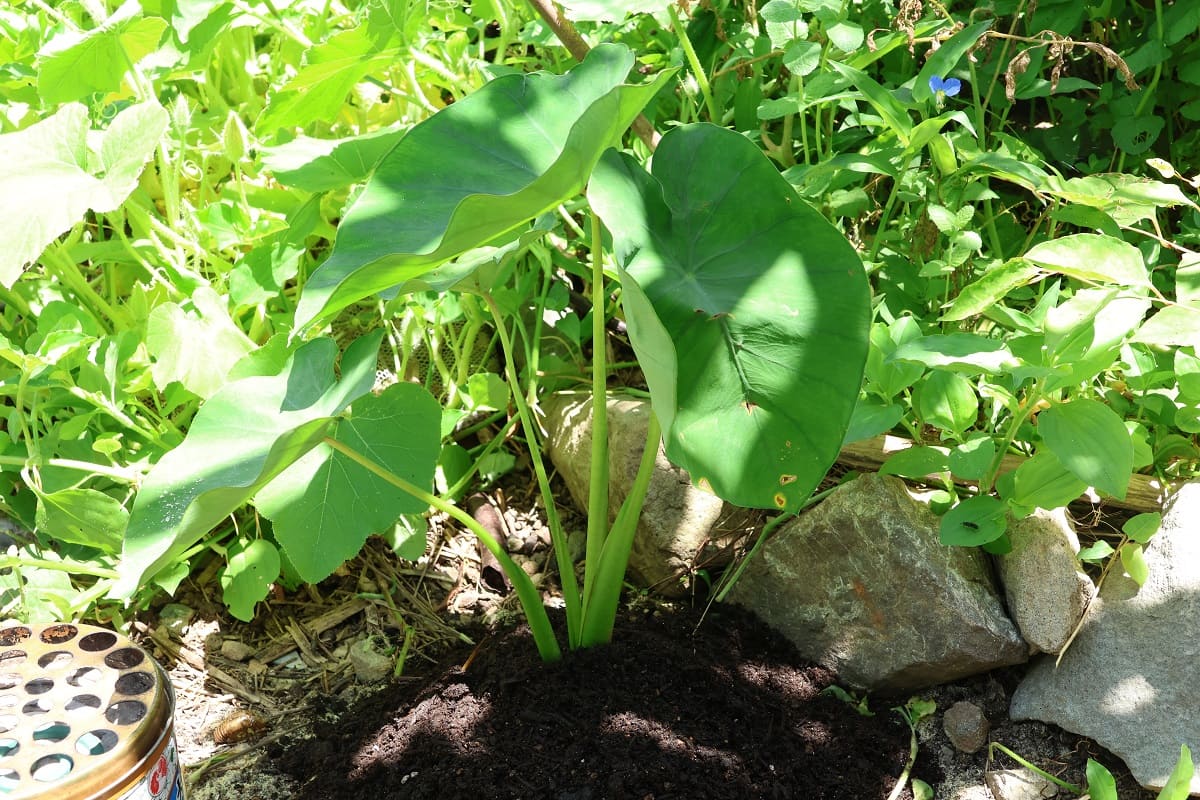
x=58, y=169
x=251, y=430
x=325, y=505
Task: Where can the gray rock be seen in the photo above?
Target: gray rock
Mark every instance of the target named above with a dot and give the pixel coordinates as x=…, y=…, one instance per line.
x=236, y=650
x=176, y=617
x=966, y=726
x=1128, y=679
x=681, y=526
x=1046, y=591
x=862, y=585
x=978, y=792
x=1018, y=784
x=370, y=665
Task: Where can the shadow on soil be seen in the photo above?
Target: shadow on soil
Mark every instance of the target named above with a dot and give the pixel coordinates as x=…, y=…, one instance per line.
x=661, y=713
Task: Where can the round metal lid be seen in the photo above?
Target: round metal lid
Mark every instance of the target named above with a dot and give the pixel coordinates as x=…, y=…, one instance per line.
x=80, y=708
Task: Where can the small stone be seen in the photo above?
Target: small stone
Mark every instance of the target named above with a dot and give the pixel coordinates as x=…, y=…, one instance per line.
x=1019, y=784
x=236, y=650
x=966, y=726
x=527, y=564
x=370, y=665
x=576, y=545
x=978, y=792
x=464, y=601
x=513, y=544
x=543, y=536
x=175, y=617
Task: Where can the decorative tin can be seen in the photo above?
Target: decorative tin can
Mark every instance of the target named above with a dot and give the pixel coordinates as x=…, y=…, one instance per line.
x=85, y=714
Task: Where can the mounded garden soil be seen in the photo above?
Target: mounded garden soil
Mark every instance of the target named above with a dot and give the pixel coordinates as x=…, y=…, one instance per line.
x=668, y=710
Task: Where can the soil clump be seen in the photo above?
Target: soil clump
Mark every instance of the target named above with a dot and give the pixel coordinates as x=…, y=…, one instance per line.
x=668, y=710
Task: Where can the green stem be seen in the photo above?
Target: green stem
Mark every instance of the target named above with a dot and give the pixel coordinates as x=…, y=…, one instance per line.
x=531, y=600
x=1002, y=60
x=74, y=567
x=884, y=219
x=597, y=523
x=990, y=226
x=471, y=430
x=797, y=88
x=562, y=553
x=126, y=475
x=56, y=261
x=989, y=479
x=501, y=437
x=714, y=114
x=11, y=298
x=913, y=748
x=102, y=403
x=1070, y=787
x=600, y=606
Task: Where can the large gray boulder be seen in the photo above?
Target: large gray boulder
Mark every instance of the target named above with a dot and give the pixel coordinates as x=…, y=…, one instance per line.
x=862, y=585
x=681, y=528
x=1046, y=591
x=1129, y=678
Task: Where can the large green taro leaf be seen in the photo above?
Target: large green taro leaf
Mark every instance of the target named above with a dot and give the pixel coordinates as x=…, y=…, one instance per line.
x=474, y=172
x=247, y=433
x=748, y=311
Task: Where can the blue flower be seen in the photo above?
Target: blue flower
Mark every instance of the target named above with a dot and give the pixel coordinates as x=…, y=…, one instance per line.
x=947, y=86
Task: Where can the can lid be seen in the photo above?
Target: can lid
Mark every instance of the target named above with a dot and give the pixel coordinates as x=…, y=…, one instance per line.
x=81, y=708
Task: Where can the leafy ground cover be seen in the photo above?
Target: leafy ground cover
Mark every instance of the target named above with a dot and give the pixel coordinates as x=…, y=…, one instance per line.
x=280, y=277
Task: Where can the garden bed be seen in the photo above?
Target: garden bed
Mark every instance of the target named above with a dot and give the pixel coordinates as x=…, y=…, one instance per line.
x=679, y=705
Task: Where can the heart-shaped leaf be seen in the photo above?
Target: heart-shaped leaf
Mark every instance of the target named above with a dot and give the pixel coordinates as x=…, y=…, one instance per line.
x=246, y=434
x=74, y=65
x=476, y=171
x=57, y=169
x=248, y=576
x=325, y=506
x=748, y=312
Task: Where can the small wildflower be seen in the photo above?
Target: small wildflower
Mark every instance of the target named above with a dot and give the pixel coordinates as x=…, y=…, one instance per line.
x=947, y=86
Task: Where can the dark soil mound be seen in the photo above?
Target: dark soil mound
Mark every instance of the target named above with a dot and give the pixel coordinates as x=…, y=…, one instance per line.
x=727, y=712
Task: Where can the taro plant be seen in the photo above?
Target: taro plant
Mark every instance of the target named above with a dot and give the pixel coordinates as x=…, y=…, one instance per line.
x=747, y=310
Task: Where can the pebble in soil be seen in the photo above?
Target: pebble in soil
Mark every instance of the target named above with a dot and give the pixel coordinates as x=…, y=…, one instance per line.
x=663, y=712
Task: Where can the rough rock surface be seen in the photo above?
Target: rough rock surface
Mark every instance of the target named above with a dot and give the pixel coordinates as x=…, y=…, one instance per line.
x=682, y=527
x=1129, y=679
x=370, y=665
x=1019, y=784
x=966, y=726
x=862, y=585
x=1046, y=591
